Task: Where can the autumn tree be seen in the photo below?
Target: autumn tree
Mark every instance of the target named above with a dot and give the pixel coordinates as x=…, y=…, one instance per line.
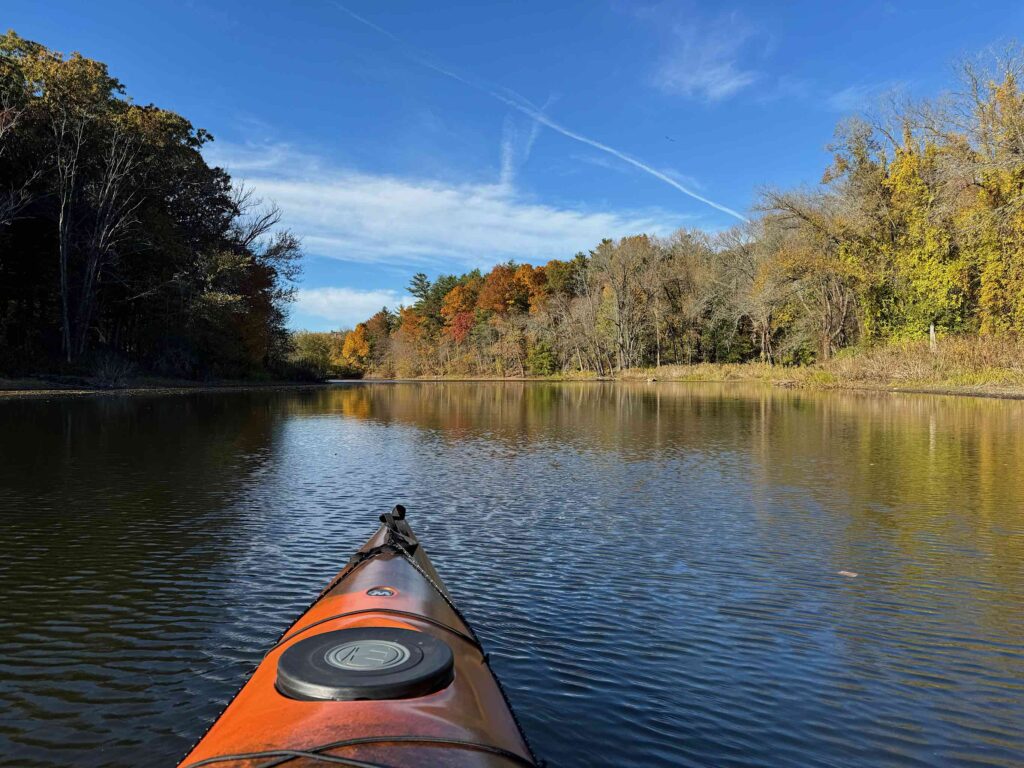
x=563, y=277
x=915, y=229
x=984, y=169
x=117, y=239
x=378, y=334
x=313, y=352
x=534, y=282
x=457, y=309
x=356, y=349
x=411, y=343
x=501, y=292
x=619, y=267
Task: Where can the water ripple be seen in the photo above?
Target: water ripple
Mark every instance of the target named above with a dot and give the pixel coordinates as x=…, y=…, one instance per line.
x=655, y=570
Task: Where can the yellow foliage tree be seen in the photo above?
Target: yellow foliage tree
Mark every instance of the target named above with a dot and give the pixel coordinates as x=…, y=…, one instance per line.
x=993, y=225
x=932, y=280
x=356, y=349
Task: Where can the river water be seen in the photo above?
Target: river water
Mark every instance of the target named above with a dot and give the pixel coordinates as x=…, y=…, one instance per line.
x=654, y=568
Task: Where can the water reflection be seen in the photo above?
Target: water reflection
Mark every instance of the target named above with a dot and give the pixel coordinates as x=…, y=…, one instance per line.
x=654, y=565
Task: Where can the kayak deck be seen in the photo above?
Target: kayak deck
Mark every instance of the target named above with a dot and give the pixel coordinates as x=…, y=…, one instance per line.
x=393, y=698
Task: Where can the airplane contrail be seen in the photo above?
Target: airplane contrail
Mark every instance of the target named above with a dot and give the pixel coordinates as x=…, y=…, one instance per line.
x=520, y=103
x=512, y=156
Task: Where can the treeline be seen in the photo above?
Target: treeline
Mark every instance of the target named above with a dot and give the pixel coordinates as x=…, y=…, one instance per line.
x=917, y=229
x=119, y=245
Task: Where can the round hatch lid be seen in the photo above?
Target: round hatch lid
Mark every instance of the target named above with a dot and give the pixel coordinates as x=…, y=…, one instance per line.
x=365, y=663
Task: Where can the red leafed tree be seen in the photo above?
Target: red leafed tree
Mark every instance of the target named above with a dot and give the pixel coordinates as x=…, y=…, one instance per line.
x=460, y=325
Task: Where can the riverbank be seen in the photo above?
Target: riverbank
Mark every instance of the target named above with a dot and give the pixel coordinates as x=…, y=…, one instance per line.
x=973, y=367
x=83, y=387
x=967, y=366
x=970, y=366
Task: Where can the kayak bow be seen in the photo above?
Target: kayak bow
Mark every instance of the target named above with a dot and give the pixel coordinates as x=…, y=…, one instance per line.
x=382, y=671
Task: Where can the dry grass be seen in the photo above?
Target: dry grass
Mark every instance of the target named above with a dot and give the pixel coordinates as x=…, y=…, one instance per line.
x=958, y=361
x=959, y=365
x=710, y=372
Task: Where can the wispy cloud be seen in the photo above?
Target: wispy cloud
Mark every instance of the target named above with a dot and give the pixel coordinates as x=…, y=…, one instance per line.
x=373, y=218
x=789, y=87
x=518, y=102
x=343, y=307
x=860, y=96
x=705, y=59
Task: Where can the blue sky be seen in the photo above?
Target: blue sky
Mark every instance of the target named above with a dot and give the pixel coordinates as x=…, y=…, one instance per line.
x=440, y=136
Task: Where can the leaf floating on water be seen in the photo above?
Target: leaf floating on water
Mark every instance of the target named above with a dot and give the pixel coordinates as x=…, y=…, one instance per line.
x=847, y=574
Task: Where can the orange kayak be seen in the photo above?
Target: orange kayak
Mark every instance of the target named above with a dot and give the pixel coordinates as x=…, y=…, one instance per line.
x=382, y=671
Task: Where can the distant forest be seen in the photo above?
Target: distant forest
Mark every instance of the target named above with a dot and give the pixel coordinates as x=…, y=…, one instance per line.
x=119, y=245
x=916, y=230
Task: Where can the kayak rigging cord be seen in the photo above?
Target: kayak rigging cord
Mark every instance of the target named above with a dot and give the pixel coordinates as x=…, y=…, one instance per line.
x=392, y=520
x=317, y=753
x=401, y=540
x=287, y=754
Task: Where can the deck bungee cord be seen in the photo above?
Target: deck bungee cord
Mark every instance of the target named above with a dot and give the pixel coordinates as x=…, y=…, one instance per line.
x=316, y=753
x=455, y=609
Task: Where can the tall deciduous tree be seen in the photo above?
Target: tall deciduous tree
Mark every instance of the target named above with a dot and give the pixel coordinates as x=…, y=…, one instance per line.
x=116, y=237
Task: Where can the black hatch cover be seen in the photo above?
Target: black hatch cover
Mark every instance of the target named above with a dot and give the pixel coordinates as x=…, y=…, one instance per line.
x=365, y=663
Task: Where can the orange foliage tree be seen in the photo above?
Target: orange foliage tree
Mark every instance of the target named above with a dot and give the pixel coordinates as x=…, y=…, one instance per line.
x=534, y=281
x=502, y=292
x=459, y=299
x=410, y=323
x=457, y=311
